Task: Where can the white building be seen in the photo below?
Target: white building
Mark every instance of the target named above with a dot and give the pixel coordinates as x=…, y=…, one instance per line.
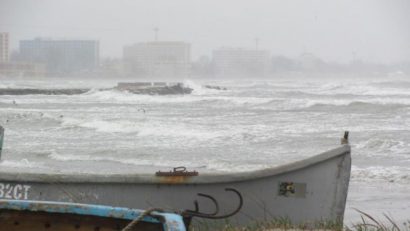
x=4, y=47
x=157, y=59
x=61, y=56
x=241, y=62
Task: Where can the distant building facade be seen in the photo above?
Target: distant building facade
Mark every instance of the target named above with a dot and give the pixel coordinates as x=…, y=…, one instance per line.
x=4, y=47
x=309, y=62
x=157, y=59
x=234, y=62
x=61, y=56
x=13, y=69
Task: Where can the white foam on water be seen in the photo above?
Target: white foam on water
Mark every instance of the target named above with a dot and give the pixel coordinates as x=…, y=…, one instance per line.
x=219, y=130
x=246, y=100
x=149, y=129
x=101, y=125
x=353, y=103
x=24, y=100
x=157, y=162
x=91, y=91
x=391, y=174
x=228, y=166
x=382, y=145
x=198, y=89
x=114, y=96
x=357, y=88
x=178, y=131
x=23, y=163
x=209, y=165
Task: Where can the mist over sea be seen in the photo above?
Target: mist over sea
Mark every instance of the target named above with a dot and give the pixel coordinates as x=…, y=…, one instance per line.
x=251, y=125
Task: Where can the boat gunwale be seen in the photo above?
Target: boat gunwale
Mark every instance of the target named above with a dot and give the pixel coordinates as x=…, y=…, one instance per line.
x=77, y=209
x=145, y=178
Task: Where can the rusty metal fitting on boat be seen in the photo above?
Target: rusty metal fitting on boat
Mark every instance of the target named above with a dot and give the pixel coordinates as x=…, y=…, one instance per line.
x=178, y=171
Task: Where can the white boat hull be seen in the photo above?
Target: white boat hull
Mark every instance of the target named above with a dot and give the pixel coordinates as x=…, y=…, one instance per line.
x=307, y=191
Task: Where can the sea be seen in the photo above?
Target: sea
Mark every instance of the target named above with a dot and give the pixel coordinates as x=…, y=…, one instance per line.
x=253, y=124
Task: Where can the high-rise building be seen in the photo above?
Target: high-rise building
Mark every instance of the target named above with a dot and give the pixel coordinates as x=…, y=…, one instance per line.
x=11, y=69
x=234, y=62
x=158, y=59
x=61, y=56
x=4, y=47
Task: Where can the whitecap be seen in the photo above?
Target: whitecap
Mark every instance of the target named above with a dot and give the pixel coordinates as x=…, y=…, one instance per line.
x=23, y=163
x=381, y=173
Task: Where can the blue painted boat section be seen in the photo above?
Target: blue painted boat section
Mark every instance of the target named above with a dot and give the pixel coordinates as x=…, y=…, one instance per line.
x=173, y=222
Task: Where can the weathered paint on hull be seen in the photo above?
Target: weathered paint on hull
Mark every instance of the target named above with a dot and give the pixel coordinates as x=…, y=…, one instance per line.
x=311, y=190
x=18, y=215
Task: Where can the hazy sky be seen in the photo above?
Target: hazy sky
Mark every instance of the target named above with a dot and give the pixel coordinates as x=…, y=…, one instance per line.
x=334, y=30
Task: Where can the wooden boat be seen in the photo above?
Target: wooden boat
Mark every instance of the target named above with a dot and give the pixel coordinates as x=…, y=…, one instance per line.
x=18, y=215
x=306, y=191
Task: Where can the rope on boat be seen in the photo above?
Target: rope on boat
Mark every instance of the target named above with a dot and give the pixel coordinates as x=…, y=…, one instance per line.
x=147, y=212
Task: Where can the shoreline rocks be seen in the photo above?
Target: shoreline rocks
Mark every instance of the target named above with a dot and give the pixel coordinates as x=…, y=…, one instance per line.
x=145, y=88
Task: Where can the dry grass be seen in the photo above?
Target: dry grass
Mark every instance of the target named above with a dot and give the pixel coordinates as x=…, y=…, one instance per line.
x=277, y=224
x=368, y=223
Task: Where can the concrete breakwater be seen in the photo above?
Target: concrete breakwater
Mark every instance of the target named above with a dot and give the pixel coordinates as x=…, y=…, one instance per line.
x=154, y=88
x=147, y=88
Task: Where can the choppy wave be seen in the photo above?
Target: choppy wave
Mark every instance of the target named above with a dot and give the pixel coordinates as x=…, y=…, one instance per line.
x=154, y=129
x=198, y=89
x=381, y=173
x=101, y=125
x=209, y=165
x=330, y=104
x=229, y=166
x=126, y=161
x=359, y=89
x=383, y=146
x=23, y=163
x=248, y=115
x=114, y=96
x=356, y=106
x=392, y=84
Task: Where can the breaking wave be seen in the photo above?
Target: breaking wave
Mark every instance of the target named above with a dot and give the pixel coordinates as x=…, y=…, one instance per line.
x=154, y=129
x=120, y=97
x=126, y=161
x=101, y=125
x=23, y=163
x=207, y=165
x=198, y=89
x=382, y=146
x=392, y=84
x=355, y=106
x=358, y=89
x=381, y=173
x=348, y=105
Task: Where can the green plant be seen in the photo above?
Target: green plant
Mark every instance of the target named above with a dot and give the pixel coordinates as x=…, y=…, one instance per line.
x=369, y=223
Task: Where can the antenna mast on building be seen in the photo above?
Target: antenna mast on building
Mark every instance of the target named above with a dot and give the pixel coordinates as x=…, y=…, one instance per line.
x=256, y=43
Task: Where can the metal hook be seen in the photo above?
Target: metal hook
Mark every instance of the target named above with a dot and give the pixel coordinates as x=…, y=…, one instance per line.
x=197, y=206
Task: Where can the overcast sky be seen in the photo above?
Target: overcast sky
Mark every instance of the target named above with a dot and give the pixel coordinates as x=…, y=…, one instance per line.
x=334, y=30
